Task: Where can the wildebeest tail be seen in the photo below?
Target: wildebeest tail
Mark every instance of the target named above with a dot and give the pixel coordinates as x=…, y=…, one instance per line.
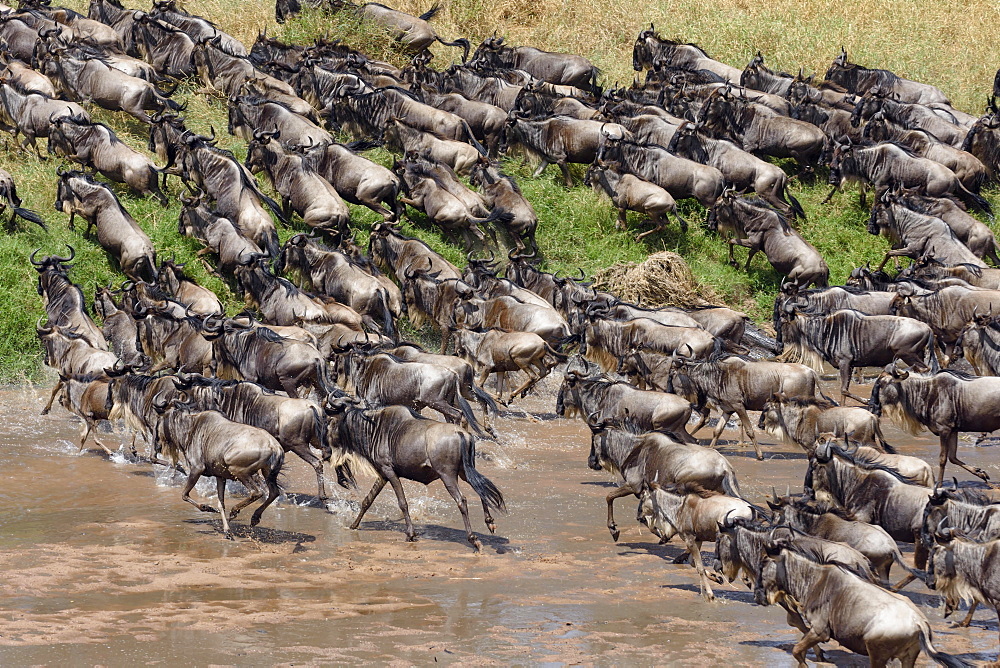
x=462, y=42
x=975, y=200
x=487, y=491
x=562, y=357
x=731, y=486
x=938, y=657
x=472, y=138
x=796, y=207
x=898, y=558
x=880, y=440
x=932, y=360
x=484, y=397
x=431, y=13
x=388, y=324
x=469, y=416
x=30, y=216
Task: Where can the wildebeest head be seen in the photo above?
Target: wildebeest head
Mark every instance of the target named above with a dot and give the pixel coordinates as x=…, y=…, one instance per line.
x=941, y=565
x=843, y=155
x=568, y=402
x=769, y=585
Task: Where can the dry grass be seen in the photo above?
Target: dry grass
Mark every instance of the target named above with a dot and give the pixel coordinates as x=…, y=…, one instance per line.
x=663, y=279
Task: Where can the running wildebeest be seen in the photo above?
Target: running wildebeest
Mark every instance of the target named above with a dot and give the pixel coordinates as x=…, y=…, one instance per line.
x=394, y=442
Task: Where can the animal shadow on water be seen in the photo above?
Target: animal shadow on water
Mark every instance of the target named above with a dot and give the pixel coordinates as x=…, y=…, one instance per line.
x=260, y=534
x=722, y=592
x=437, y=532
x=601, y=483
x=834, y=655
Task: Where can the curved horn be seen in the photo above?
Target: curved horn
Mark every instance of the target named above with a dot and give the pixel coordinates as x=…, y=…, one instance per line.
x=72, y=254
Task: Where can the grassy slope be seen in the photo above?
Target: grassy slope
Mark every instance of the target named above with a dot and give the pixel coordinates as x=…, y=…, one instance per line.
x=954, y=46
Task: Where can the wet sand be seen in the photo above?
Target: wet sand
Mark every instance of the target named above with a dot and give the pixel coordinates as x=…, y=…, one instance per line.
x=102, y=563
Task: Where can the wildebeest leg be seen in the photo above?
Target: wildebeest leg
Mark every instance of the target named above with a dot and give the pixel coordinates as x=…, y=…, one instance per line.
x=445, y=339
x=253, y=485
x=968, y=618
x=810, y=639
x=397, y=487
x=540, y=169
x=952, y=453
x=376, y=488
x=52, y=397
x=704, y=412
x=567, y=179
x=189, y=484
x=624, y=490
x=833, y=191
x=220, y=492
x=723, y=421
x=309, y=458
x=845, y=382
x=88, y=427
x=288, y=384
x=451, y=484
x=501, y=381
x=694, y=549
x=748, y=428
x=621, y=222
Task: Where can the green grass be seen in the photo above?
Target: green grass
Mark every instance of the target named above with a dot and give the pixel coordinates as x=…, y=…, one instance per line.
x=576, y=225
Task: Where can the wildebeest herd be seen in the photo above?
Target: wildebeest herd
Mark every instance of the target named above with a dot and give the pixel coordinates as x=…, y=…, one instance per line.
x=316, y=365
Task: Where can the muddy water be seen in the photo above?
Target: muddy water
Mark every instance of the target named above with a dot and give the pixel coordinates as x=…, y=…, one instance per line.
x=101, y=563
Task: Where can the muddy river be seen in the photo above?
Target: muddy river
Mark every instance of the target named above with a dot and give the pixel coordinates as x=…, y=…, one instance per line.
x=102, y=563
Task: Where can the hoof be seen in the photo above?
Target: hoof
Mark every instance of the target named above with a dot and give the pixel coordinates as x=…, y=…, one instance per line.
x=229, y=536
x=233, y=514
x=411, y=539
x=492, y=527
x=207, y=509
x=476, y=544
x=614, y=534
x=255, y=520
x=44, y=412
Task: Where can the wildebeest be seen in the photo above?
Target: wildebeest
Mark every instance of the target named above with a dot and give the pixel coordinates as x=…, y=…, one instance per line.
x=948, y=310
x=485, y=120
x=846, y=339
x=693, y=513
x=219, y=234
x=831, y=524
x=758, y=226
x=282, y=303
x=630, y=193
x=397, y=443
x=650, y=411
x=801, y=420
x=502, y=194
x=117, y=232
x=680, y=177
x=497, y=351
x=64, y=302
x=652, y=457
x=198, y=27
x=946, y=403
x=172, y=341
x=69, y=353
x=735, y=384
x=460, y=156
x=301, y=188
x=237, y=195
x=174, y=282
x=980, y=344
x=263, y=357
x=650, y=48
x=299, y=425
x=607, y=341
x=838, y=605
x=86, y=397
x=382, y=379
x=120, y=330
x=761, y=130
x=967, y=167
x=559, y=140
x=963, y=569
x=167, y=48
x=31, y=114
x=888, y=165
x=91, y=80
x=917, y=235
x=557, y=68
x=400, y=254
x=211, y=444
x=228, y=72
x=334, y=273
x=357, y=179
x=858, y=79
x=97, y=147
x=9, y=199
x=741, y=169
x=252, y=115
x=974, y=234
